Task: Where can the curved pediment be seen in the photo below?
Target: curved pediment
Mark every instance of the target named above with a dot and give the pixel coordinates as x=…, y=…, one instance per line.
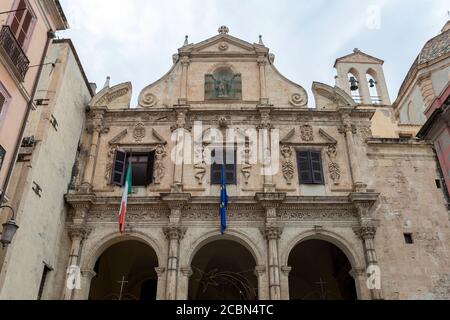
x=116, y=97
x=328, y=97
x=223, y=70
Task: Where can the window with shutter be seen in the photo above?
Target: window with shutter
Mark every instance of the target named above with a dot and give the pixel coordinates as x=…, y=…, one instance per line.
x=4, y=98
x=228, y=159
x=118, y=174
x=142, y=165
x=22, y=23
x=309, y=165
x=2, y=101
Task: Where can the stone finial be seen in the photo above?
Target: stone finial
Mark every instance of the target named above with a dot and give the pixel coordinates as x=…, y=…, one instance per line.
x=356, y=50
x=186, y=40
x=223, y=30
x=106, y=85
x=260, y=40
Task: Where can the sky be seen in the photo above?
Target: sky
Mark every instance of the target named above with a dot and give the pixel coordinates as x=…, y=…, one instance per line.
x=134, y=40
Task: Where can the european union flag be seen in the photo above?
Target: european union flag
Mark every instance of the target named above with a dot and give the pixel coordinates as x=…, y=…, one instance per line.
x=223, y=201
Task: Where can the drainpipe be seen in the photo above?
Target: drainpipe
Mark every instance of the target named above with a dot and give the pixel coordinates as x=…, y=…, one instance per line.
x=50, y=36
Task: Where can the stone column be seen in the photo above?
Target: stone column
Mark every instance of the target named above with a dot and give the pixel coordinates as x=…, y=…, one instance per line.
x=184, y=77
x=272, y=233
x=359, y=275
x=285, y=270
x=364, y=89
x=367, y=235
x=264, y=100
x=160, y=290
x=264, y=137
x=174, y=234
x=186, y=273
x=95, y=128
x=78, y=233
x=179, y=129
x=86, y=278
x=348, y=130
x=259, y=273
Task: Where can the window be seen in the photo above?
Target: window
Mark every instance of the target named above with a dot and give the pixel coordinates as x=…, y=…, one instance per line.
x=141, y=168
x=309, y=164
x=22, y=22
x=2, y=156
x=47, y=269
x=4, y=99
x=408, y=238
x=228, y=160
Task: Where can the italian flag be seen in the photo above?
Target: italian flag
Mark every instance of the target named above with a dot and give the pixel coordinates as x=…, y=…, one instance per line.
x=123, y=203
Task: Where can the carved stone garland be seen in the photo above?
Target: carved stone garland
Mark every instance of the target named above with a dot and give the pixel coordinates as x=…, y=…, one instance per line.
x=246, y=166
x=200, y=167
x=158, y=171
x=287, y=165
x=333, y=166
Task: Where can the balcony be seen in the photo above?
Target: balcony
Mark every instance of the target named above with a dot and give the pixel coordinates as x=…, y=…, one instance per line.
x=12, y=52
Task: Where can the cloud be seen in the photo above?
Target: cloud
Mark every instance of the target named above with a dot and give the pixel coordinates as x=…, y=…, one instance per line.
x=134, y=40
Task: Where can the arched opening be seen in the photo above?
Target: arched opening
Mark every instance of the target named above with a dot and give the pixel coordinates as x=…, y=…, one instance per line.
x=372, y=83
x=125, y=271
x=353, y=82
x=223, y=270
x=320, y=271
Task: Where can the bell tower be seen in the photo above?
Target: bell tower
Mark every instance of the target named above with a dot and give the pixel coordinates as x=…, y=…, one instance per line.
x=362, y=77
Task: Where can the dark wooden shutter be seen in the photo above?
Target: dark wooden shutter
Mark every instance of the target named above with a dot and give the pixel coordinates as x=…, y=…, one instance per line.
x=118, y=170
x=230, y=167
x=316, y=167
x=2, y=101
x=215, y=167
x=150, y=167
x=304, y=167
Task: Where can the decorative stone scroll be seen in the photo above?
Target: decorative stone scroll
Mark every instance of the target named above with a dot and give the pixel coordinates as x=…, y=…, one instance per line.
x=148, y=100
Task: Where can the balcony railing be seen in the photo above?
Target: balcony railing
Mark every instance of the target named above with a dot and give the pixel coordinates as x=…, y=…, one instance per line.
x=13, y=53
x=375, y=99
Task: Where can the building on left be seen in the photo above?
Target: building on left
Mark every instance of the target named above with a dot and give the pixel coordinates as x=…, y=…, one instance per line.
x=43, y=94
x=27, y=28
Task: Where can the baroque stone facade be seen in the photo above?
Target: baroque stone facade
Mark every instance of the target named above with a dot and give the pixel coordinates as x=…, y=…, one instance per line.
x=373, y=191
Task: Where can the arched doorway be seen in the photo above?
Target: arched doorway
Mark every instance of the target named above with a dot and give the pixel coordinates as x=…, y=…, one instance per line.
x=320, y=271
x=223, y=270
x=125, y=271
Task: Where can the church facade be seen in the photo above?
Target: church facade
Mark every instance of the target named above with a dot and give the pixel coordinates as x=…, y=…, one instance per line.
x=325, y=199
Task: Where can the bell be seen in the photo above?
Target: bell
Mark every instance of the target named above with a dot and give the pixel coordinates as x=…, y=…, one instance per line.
x=353, y=84
x=372, y=83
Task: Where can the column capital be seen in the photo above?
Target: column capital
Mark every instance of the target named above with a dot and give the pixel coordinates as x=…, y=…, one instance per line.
x=286, y=270
x=262, y=61
x=357, y=273
x=78, y=231
x=185, y=61
x=160, y=271
x=187, y=271
x=173, y=232
x=259, y=271
x=365, y=232
x=272, y=231
x=88, y=274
